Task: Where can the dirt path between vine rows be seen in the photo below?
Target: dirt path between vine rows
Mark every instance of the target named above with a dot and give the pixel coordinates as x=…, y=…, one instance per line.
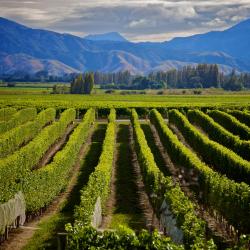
x=18, y=238
x=128, y=197
x=152, y=221
x=57, y=146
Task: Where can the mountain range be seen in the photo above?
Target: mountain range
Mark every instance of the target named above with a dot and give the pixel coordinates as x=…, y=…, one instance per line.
x=27, y=50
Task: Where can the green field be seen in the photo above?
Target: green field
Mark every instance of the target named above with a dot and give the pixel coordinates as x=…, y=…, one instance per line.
x=108, y=170
x=31, y=88
x=123, y=101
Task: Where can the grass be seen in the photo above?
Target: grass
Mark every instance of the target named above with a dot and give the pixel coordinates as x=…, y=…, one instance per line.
x=47, y=230
x=126, y=212
x=46, y=236
x=132, y=221
x=24, y=91
x=26, y=88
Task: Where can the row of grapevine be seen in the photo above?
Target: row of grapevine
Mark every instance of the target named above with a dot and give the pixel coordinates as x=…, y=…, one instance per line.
x=181, y=207
x=228, y=198
x=219, y=134
x=79, y=238
x=242, y=116
x=18, y=118
x=231, y=123
x=84, y=236
x=6, y=113
x=223, y=159
x=11, y=140
x=41, y=186
x=15, y=166
x=98, y=185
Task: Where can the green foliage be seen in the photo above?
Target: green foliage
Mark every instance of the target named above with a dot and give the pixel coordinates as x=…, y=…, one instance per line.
x=153, y=178
x=19, y=135
x=126, y=101
x=228, y=198
x=89, y=83
x=14, y=167
x=234, y=82
x=164, y=187
x=18, y=118
x=183, y=209
x=83, y=84
x=88, y=238
x=76, y=85
x=219, y=134
x=231, y=123
x=47, y=182
x=200, y=76
x=242, y=116
x=220, y=157
x=99, y=181
x=61, y=89
x=142, y=82
x=6, y=113
x=242, y=244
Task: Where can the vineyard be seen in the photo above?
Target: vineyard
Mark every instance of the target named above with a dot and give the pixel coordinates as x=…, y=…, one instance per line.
x=147, y=174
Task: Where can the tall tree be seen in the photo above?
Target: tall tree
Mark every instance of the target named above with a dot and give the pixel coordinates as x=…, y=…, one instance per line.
x=234, y=82
x=89, y=82
x=76, y=86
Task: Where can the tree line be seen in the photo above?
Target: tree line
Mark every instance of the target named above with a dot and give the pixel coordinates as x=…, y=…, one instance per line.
x=202, y=76
x=199, y=76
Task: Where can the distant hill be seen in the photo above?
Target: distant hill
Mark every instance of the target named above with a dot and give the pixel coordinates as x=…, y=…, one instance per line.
x=32, y=50
x=17, y=63
x=233, y=41
x=112, y=36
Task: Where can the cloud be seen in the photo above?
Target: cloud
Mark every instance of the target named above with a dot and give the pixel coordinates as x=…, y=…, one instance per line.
x=217, y=22
x=142, y=23
x=139, y=20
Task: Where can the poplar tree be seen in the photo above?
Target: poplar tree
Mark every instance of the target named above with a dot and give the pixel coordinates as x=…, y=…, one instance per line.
x=82, y=84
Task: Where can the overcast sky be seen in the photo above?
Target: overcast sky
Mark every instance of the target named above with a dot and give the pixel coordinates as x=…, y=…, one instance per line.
x=137, y=20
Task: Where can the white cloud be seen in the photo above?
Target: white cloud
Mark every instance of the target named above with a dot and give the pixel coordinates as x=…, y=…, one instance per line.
x=237, y=18
x=138, y=19
x=141, y=23
x=217, y=22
